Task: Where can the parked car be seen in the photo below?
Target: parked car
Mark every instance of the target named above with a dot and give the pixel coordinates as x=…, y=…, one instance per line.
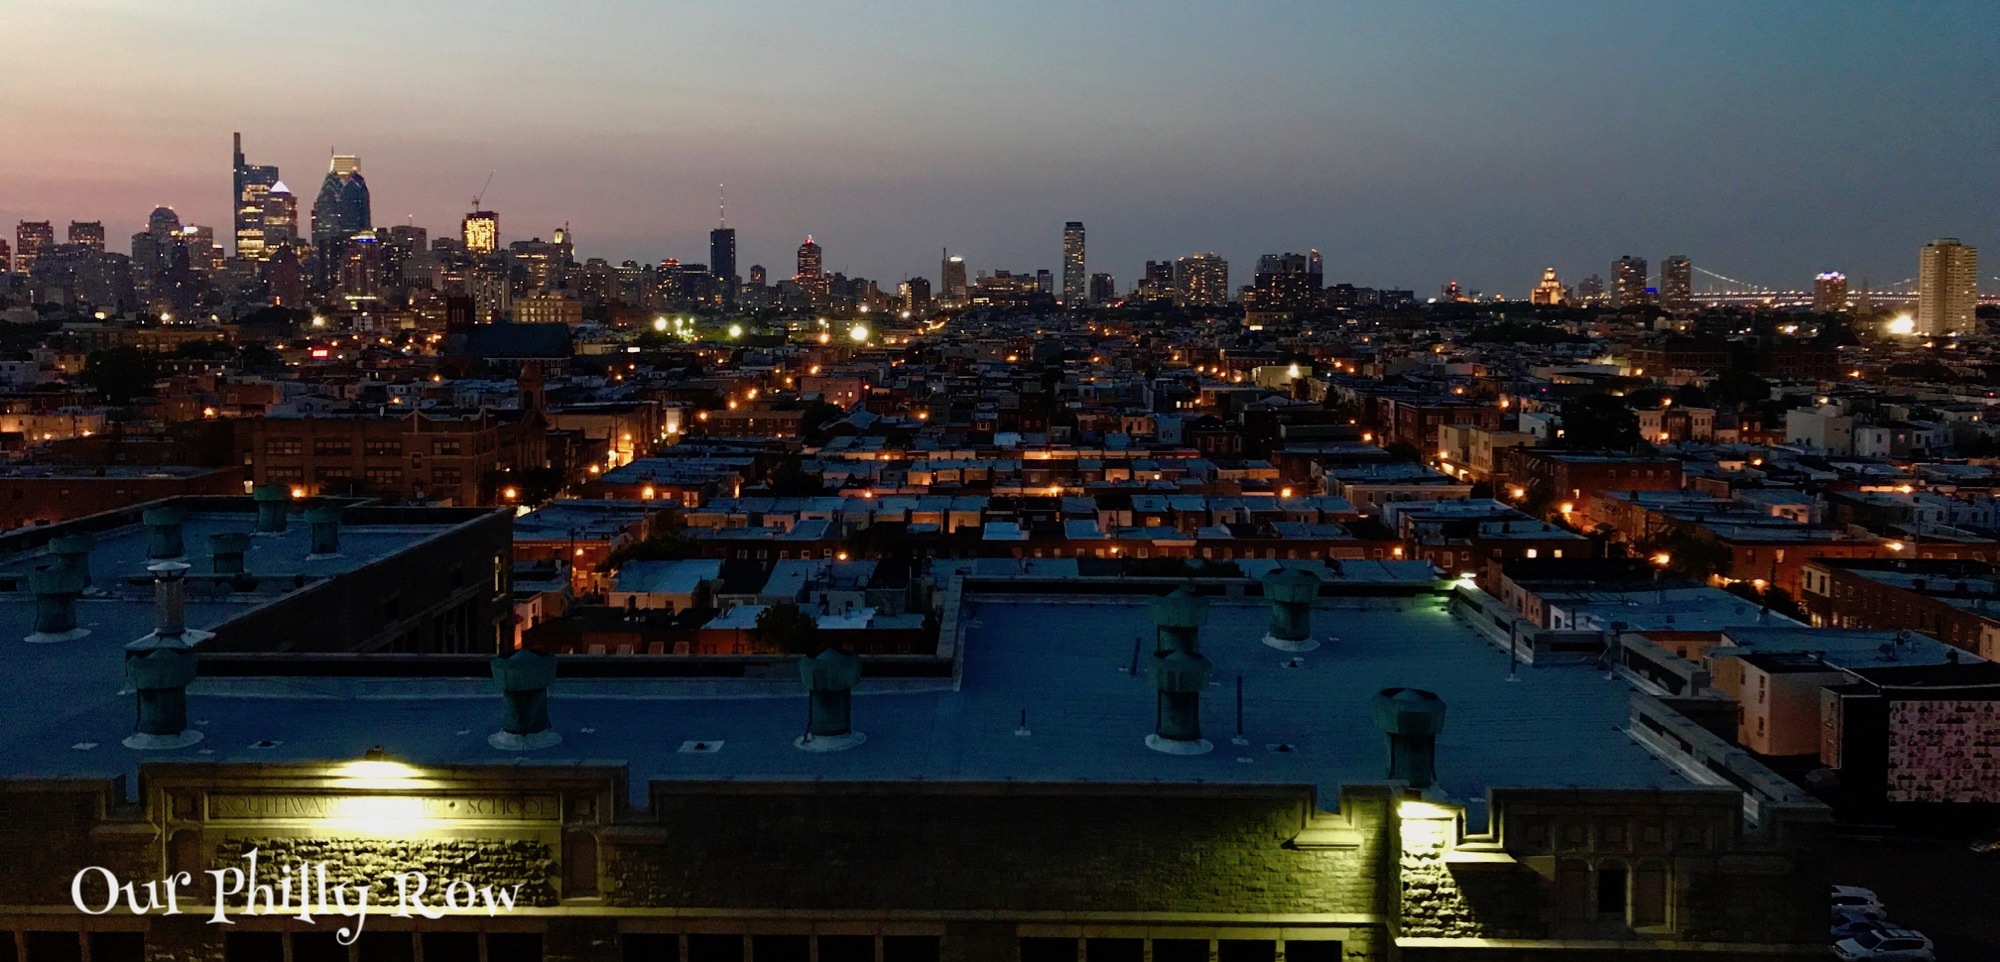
x=1846, y=925
x=1900, y=945
x=1852, y=900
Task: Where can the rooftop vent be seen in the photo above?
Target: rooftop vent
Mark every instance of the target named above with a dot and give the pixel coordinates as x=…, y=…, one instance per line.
x=829, y=678
x=56, y=589
x=1290, y=592
x=523, y=678
x=324, y=520
x=1178, y=618
x=1179, y=677
x=227, y=549
x=1412, y=718
x=163, y=532
x=273, y=501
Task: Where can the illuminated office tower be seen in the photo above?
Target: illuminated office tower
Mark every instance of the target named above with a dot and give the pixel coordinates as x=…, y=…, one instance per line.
x=811, y=277
x=952, y=280
x=6, y=258
x=1676, y=283
x=1628, y=281
x=1550, y=291
x=342, y=209
x=163, y=223
x=1073, y=277
x=1947, y=286
x=89, y=233
x=281, y=219
x=1830, y=292
x=29, y=240
x=250, y=185
x=481, y=232
x=1201, y=279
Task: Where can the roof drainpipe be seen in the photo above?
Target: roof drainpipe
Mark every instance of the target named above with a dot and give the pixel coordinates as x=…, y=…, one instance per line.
x=523, y=678
x=163, y=532
x=161, y=665
x=273, y=501
x=1179, y=673
x=324, y=520
x=1290, y=592
x=1412, y=718
x=56, y=589
x=829, y=678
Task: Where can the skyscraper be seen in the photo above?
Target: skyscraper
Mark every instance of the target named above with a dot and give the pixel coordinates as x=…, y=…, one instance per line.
x=1830, y=292
x=722, y=261
x=250, y=185
x=1676, y=283
x=481, y=232
x=1201, y=279
x=1628, y=281
x=1103, y=289
x=1316, y=271
x=952, y=281
x=1947, y=286
x=811, y=277
x=342, y=209
x=29, y=239
x=281, y=219
x=89, y=233
x=1073, y=292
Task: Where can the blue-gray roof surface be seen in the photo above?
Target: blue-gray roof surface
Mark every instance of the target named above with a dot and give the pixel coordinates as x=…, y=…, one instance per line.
x=1063, y=661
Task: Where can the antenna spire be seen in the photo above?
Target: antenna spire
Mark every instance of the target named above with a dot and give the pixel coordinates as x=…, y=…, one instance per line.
x=721, y=207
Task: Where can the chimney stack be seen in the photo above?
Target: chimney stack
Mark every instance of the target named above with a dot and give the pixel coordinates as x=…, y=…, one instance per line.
x=163, y=532
x=273, y=501
x=228, y=549
x=56, y=589
x=1412, y=718
x=523, y=678
x=1290, y=592
x=830, y=677
x=324, y=520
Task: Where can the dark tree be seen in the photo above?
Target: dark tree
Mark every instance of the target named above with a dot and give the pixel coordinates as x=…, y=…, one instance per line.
x=1736, y=388
x=121, y=373
x=1599, y=422
x=785, y=628
x=789, y=480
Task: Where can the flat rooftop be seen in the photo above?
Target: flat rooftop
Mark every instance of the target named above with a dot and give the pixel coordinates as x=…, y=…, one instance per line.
x=65, y=694
x=1062, y=660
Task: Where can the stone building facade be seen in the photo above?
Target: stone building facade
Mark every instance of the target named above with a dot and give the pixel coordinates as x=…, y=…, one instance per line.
x=827, y=871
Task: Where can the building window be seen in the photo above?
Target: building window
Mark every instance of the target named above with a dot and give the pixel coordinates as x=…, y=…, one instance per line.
x=1113, y=950
x=332, y=447
x=284, y=447
x=715, y=948
x=285, y=474
x=382, y=448
x=446, y=476
x=1246, y=950
x=446, y=446
x=1054, y=950
x=1611, y=891
x=385, y=477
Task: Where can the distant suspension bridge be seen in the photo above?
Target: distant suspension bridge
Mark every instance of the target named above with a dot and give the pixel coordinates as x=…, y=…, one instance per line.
x=1720, y=290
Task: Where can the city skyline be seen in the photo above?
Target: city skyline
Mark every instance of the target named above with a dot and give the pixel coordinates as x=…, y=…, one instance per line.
x=1765, y=155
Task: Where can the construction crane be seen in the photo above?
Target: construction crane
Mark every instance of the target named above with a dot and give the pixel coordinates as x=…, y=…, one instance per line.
x=482, y=190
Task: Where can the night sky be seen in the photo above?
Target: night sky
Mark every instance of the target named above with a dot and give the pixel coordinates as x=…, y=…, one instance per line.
x=1412, y=143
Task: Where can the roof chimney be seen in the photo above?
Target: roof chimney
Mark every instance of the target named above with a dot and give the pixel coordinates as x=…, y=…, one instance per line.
x=1291, y=592
x=228, y=549
x=523, y=678
x=163, y=532
x=273, y=500
x=829, y=677
x=1412, y=718
x=324, y=520
x=56, y=589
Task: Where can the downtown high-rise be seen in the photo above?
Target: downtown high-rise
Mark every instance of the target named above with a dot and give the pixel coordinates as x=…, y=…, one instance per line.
x=1947, y=286
x=1073, y=276
x=1677, y=283
x=1628, y=281
x=250, y=188
x=811, y=276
